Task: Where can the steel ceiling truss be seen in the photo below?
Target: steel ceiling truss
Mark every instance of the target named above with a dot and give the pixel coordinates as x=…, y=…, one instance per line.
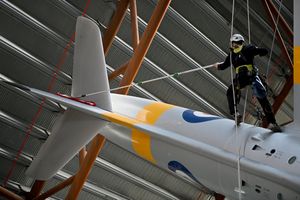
x=130, y=70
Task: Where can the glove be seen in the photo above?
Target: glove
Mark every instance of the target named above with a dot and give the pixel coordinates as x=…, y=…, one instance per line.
x=216, y=65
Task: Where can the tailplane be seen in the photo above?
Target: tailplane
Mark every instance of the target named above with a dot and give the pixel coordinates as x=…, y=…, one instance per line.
x=75, y=128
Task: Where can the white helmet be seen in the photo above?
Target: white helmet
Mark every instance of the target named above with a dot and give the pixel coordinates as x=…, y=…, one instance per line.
x=237, y=38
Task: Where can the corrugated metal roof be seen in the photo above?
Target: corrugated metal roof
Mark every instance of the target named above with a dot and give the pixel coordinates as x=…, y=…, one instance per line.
x=33, y=35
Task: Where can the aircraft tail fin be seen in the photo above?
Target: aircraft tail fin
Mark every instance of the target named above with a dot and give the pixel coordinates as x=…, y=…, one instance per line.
x=89, y=68
x=75, y=129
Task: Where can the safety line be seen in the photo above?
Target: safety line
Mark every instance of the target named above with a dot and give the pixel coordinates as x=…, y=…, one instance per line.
x=273, y=41
x=248, y=18
x=249, y=41
x=40, y=108
x=235, y=108
x=177, y=74
x=245, y=105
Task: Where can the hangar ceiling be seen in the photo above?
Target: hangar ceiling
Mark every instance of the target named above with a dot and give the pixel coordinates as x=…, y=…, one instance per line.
x=33, y=35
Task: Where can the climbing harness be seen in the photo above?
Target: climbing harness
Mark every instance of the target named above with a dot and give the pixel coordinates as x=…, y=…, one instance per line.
x=249, y=68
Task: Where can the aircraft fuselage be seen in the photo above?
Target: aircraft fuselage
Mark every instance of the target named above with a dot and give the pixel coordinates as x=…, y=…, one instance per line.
x=204, y=148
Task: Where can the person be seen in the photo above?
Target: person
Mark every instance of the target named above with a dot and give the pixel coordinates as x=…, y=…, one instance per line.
x=246, y=74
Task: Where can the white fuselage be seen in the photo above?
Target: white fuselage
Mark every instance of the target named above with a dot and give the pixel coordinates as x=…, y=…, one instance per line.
x=204, y=148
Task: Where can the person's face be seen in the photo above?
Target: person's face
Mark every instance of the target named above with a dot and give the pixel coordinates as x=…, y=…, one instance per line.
x=235, y=45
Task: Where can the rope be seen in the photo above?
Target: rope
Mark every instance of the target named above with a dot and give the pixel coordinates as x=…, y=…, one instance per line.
x=235, y=110
x=249, y=41
x=245, y=106
x=177, y=74
x=248, y=18
x=273, y=41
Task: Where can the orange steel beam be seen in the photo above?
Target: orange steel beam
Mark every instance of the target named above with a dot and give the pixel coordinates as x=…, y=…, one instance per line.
x=114, y=25
x=282, y=21
x=134, y=24
x=35, y=189
x=8, y=194
x=55, y=189
x=144, y=44
x=82, y=154
x=118, y=71
x=135, y=38
x=86, y=167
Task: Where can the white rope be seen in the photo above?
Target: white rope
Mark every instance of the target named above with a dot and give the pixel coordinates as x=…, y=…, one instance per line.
x=249, y=41
x=274, y=34
x=245, y=106
x=248, y=18
x=235, y=110
x=150, y=80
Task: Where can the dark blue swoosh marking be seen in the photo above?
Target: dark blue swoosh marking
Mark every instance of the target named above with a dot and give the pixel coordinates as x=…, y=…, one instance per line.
x=189, y=116
x=175, y=165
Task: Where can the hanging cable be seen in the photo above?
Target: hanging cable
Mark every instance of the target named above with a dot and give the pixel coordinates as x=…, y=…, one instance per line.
x=273, y=41
x=249, y=42
x=177, y=74
x=235, y=110
x=248, y=19
x=245, y=105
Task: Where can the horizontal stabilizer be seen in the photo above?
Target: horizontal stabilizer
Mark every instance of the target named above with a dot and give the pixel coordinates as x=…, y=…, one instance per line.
x=70, y=133
x=108, y=116
x=100, y=114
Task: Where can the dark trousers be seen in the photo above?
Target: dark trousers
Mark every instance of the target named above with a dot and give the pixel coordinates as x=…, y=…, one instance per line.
x=259, y=92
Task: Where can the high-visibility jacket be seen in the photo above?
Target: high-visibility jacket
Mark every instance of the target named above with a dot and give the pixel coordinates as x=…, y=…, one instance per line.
x=243, y=62
x=243, y=58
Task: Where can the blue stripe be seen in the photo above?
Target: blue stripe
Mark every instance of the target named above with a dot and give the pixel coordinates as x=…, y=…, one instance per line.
x=175, y=165
x=189, y=116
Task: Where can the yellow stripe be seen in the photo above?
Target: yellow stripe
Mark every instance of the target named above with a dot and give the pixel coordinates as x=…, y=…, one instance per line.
x=141, y=142
x=118, y=119
x=297, y=65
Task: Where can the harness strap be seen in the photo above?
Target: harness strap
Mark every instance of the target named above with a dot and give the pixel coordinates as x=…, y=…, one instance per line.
x=249, y=67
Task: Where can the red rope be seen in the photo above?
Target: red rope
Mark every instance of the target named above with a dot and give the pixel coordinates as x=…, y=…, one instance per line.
x=40, y=108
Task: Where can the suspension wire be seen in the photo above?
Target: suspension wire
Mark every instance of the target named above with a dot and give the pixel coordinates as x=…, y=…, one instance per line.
x=249, y=41
x=248, y=18
x=177, y=74
x=235, y=109
x=273, y=41
x=245, y=106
